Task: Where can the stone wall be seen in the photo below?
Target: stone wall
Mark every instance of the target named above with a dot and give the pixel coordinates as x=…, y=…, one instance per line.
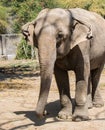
x=8, y=45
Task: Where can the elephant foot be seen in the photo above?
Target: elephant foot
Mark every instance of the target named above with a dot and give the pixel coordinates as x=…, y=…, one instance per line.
x=80, y=114
x=65, y=114
x=79, y=118
x=90, y=105
x=98, y=103
x=97, y=100
x=89, y=101
x=66, y=111
x=41, y=115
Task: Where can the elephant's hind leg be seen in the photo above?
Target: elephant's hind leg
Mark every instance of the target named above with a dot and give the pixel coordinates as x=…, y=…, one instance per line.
x=96, y=97
x=62, y=80
x=89, y=98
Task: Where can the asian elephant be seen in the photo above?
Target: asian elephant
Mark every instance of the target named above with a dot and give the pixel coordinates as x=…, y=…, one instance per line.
x=71, y=39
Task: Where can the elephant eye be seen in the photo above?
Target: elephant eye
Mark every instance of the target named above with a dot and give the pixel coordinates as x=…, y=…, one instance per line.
x=60, y=35
x=59, y=38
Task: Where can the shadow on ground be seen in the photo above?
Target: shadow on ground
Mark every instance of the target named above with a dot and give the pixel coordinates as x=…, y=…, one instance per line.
x=17, y=72
x=52, y=109
x=17, y=77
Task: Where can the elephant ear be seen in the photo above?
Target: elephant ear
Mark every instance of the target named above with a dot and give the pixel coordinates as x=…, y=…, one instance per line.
x=80, y=32
x=28, y=31
x=31, y=30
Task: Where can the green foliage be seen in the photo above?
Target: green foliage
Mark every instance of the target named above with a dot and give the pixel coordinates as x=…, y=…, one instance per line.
x=3, y=21
x=6, y=3
x=27, y=10
x=3, y=13
x=3, y=26
x=24, y=11
x=98, y=6
x=92, y=5
x=23, y=50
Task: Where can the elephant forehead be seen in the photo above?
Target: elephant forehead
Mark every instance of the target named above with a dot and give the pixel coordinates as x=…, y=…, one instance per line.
x=51, y=28
x=53, y=16
x=58, y=12
x=47, y=28
x=53, y=20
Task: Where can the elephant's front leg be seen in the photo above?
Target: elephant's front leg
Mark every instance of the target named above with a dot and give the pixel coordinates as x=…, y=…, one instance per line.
x=82, y=79
x=62, y=80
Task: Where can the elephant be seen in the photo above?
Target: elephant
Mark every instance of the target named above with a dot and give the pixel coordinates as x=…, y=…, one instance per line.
x=69, y=39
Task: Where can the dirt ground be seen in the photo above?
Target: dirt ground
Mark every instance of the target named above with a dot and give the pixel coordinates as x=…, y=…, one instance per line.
x=18, y=98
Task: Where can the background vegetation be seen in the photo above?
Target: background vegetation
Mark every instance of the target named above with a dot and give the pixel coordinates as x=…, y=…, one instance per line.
x=23, y=11
x=15, y=13
x=23, y=50
x=3, y=19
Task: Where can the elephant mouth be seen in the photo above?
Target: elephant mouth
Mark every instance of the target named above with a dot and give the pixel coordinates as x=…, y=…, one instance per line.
x=59, y=55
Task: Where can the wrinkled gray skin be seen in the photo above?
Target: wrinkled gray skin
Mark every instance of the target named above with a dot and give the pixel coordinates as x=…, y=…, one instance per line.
x=69, y=40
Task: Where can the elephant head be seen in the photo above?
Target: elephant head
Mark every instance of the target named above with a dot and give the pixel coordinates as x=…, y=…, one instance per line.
x=54, y=32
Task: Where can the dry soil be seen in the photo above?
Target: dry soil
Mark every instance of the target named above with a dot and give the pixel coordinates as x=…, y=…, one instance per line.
x=18, y=99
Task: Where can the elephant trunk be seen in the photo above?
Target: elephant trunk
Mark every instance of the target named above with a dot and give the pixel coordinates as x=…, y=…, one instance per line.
x=47, y=57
